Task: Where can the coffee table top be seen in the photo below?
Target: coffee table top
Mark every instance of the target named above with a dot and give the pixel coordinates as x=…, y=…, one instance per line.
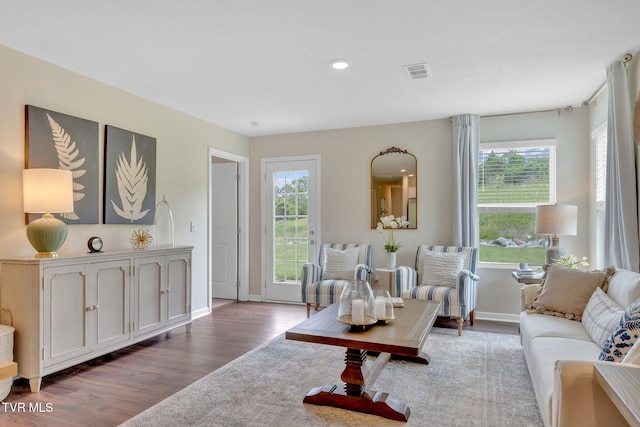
x=405, y=335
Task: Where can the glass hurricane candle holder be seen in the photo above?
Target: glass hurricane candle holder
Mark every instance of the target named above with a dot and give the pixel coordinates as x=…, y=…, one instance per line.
x=384, y=305
x=357, y=306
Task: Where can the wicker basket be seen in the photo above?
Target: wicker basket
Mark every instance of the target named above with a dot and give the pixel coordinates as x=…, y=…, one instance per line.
x=6, y=353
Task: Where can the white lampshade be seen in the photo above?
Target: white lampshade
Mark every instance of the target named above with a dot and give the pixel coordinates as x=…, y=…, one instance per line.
x=557, y=219
x=47, y=190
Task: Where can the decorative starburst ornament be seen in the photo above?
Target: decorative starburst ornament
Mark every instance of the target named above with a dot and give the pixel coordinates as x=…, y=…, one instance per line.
x=141, y=239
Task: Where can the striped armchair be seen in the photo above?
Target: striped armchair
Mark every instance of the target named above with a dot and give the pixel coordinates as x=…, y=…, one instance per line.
x=325, y=291
x=457, y=298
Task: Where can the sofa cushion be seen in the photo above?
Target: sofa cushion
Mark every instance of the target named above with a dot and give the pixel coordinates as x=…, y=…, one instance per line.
x=442, y=268
x=535, y=325
x=625, y=335
x=566, y=291
x=541, y=359
x=601, y=316
x=340, y=264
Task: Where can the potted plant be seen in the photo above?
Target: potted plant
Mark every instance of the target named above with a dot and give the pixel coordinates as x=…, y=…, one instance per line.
x=391, y=245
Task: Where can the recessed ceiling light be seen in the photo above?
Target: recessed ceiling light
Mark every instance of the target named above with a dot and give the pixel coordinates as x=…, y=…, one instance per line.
x=340, y=64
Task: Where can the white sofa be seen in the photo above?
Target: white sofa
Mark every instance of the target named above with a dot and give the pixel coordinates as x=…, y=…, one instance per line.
x=560, y=355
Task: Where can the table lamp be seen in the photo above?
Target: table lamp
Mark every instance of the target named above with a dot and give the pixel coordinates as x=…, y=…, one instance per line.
x=555, y=220
x=46, y=191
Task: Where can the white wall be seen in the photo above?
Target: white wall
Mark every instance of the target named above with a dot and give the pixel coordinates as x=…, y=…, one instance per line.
x=182, y=155
x=346, y=159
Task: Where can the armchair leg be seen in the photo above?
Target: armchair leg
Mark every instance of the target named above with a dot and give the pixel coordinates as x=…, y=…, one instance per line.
x=308, y=309
x=460, y=320
x=471, y=313
x=317, y=306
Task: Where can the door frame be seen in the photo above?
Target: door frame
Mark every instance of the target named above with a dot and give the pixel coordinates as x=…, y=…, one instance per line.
x=243, y=222
x=263, y=214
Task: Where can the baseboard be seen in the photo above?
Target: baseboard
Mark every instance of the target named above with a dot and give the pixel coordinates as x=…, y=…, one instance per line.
x=200, y=313
x=498, y=317
x=255, y=298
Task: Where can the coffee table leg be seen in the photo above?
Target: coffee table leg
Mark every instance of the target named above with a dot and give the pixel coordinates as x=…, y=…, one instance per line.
x=355, y=397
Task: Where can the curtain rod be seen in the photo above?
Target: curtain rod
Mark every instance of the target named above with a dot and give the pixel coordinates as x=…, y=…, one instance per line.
x=595, y=94
x=625, y=59
x=568, y=109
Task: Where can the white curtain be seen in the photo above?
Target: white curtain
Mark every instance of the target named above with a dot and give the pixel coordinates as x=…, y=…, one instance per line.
x=466, y=136
x=621, y=244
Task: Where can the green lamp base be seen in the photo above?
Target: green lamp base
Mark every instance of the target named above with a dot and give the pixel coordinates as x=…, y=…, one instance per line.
x=46, y=235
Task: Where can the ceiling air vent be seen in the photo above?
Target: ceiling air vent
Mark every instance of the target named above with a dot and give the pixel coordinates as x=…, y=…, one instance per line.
x=417, y=71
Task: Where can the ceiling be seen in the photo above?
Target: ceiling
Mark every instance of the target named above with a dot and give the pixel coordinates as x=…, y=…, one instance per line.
x=262, y=67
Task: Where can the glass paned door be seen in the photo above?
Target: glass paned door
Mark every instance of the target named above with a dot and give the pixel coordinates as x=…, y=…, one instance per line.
x=290, y=226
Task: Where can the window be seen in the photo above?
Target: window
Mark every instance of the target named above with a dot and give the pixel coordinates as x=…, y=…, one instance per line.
x=599, y=137
x=290, y=240
x=514, y=177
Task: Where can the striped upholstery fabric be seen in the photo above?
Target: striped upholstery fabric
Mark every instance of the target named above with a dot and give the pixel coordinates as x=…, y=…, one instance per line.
x=455, y=302
x=326, y=292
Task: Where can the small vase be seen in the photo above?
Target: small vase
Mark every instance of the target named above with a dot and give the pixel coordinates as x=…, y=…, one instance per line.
x=391, y=260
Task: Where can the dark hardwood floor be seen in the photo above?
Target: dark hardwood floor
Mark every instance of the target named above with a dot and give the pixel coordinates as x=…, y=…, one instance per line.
x=111, y=389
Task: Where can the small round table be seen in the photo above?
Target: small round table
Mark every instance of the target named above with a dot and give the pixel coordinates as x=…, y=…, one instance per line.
x=392, y=273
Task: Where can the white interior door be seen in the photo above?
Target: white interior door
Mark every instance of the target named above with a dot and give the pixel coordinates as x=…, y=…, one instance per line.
x=224, y=230
x=291, y=218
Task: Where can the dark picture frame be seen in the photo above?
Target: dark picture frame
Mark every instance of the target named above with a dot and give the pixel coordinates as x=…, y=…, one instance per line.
x=129, y=177
x=60, y=141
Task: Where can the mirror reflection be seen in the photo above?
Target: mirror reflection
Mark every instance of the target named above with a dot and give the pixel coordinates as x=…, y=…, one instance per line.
x=394, y=181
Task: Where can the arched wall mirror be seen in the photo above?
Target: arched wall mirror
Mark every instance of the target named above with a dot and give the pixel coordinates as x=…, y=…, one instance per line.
x=394, y=186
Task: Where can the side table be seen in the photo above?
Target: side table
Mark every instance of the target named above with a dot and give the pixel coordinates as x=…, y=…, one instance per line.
x=535, y=280
x=392, y=273
x=621, y=384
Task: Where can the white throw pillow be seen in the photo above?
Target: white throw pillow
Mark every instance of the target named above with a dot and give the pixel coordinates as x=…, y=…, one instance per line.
x=340, y=264
x=601, y=316
x=442, y=268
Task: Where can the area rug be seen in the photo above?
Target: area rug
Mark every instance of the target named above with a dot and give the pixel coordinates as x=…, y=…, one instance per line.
x=478, y=379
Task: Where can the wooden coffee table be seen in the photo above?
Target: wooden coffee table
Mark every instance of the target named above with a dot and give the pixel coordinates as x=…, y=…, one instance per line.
x=402, y=337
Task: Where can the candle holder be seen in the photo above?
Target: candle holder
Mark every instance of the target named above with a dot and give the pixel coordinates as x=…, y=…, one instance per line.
x=357, y=306
x=384, y=306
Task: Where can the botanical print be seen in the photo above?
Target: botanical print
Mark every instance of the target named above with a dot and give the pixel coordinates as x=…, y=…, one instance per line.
x=59, y=141
x=130, y=166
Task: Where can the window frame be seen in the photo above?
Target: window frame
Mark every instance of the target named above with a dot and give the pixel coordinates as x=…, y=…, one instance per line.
x=550, y=143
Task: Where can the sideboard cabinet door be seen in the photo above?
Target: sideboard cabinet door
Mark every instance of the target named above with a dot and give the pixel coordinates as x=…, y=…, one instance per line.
x=178, y=287
x=65, y=313
x=148, y=293
x=112, y=302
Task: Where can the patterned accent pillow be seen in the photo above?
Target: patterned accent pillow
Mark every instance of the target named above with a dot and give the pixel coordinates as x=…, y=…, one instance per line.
x=442, y=268
x=340, y=264
x=566, y=291
x=625, y=336
x=601, y=317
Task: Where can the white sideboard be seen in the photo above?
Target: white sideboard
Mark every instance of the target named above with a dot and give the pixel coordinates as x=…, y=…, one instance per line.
x=74, y=308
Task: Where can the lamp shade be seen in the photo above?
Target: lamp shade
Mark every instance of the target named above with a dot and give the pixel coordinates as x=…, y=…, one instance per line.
x=557, y=219
x=47, y=190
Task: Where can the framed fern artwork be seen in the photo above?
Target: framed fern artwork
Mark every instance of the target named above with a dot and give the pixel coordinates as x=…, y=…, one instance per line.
x=59, y=141
x=129, y=177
